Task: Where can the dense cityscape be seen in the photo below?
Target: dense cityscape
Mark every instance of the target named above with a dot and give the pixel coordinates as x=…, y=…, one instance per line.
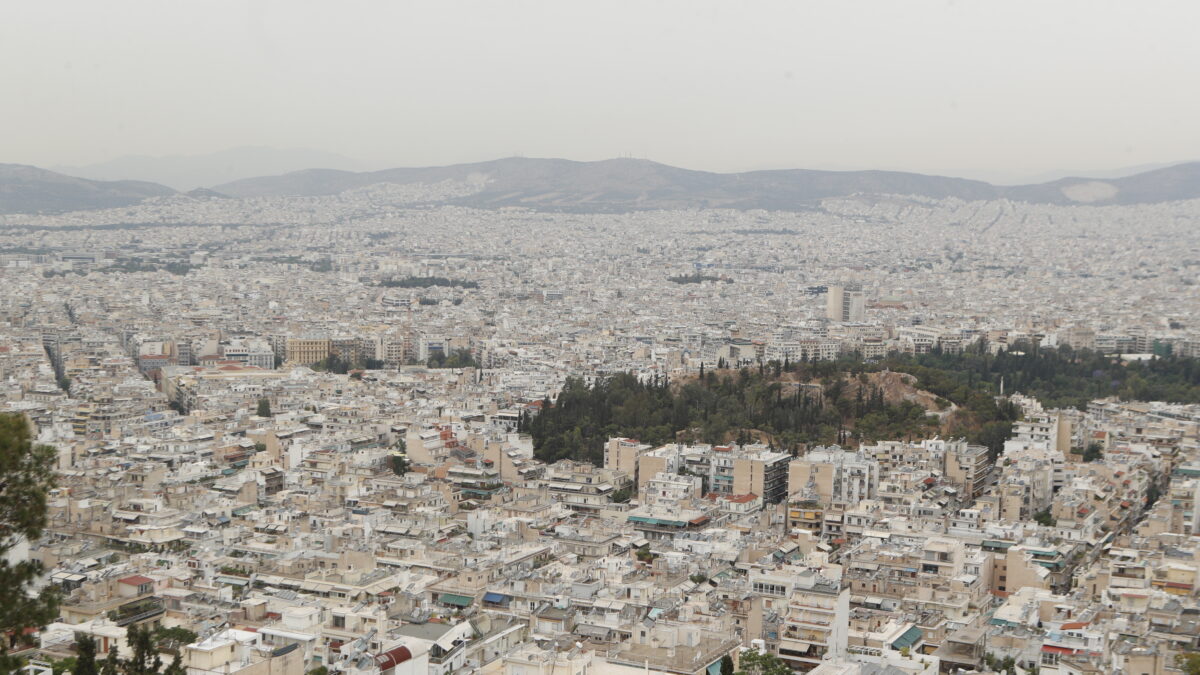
x=569, y=337
x=376, y=434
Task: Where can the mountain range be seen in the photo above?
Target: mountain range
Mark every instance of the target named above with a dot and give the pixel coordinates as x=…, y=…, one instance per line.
x=610, y=185
x=188, y=172
x=25, y=189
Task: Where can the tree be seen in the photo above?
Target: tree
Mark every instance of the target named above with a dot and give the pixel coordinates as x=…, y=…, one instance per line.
x=264, y=408
x=26, y=476
x=112, y=664
x=1044, y=518
x=399, y=464
x=1152, y=494
x=621, y=496
x=85, y=659
x=1189, y=663
x=754, y=662
x=644, y=554
x=1093, y=453
x=174, y=637
x=176, y=667
x=727, y=665
x=145, y=659
x=67, y=665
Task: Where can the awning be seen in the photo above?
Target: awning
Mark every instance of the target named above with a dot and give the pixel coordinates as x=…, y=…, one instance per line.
x=908, y=639
x=455, y=599
x=495, y=598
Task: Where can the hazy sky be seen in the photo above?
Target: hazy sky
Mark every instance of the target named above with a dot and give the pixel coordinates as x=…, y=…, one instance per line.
x=1016, y=88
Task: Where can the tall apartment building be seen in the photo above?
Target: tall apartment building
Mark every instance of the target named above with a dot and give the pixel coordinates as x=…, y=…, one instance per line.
x=622, y=454
x=764, y=473
x=727, y=469
x=346, y=348
x=846, y=304
x=816, y=625
x=969, y=466
x=833, y=476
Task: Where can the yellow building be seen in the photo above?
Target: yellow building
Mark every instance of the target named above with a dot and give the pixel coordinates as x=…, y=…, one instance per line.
x=307, y=351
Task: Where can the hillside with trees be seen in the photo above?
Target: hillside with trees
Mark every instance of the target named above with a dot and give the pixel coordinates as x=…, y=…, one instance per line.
x=821, y=402
x=739, y=406
x=427, y=282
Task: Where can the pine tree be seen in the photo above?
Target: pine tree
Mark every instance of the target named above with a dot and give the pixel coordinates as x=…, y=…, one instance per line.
x=145, y=659
x=85, y=659
x=26, y=476
x=264, y=407
x=112, y=664
x=176, y=667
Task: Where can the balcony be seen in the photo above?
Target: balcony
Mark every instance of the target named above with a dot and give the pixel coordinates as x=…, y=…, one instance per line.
x=802, y=635
x=808, y=619
x=136, y=612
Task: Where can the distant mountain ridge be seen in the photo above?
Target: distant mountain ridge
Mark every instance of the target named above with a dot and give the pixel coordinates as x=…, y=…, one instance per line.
x=608, y=186
x=633, y=184
x=188, y=172
x=27, y=189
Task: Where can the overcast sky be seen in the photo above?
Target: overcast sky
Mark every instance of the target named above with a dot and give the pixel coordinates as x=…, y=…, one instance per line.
x=997, y=88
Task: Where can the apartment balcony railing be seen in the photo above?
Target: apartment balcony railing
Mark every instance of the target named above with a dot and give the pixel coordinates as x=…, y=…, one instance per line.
x=139, y=612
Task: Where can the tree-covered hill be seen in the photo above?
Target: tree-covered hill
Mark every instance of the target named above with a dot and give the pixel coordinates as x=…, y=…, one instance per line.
x=841, y=405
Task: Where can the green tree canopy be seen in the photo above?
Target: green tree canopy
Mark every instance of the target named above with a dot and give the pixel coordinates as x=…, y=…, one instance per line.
x=145, y=659
x=754, y=662
x=85, y=660
x=26, y=476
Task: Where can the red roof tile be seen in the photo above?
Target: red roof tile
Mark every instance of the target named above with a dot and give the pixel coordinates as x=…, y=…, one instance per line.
x=136, y=580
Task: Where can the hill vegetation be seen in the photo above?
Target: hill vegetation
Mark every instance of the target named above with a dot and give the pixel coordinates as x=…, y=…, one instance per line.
x=427, y=282
x=695, y=278
x=791, y=405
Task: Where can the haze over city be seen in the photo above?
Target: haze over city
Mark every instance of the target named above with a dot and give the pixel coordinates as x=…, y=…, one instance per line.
x=1007, y=92
x=600, y=338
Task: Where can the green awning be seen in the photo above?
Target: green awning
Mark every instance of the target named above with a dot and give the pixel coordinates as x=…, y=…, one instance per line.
x=908, y=639
x=657, y=521
x=455, y=599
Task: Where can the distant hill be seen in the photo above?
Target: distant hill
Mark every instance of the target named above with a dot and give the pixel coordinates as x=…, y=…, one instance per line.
x=631, y=184
x=621, y=184
x=608, y=186
x=27, y=189
x=186, y=172
x=1171, y=183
